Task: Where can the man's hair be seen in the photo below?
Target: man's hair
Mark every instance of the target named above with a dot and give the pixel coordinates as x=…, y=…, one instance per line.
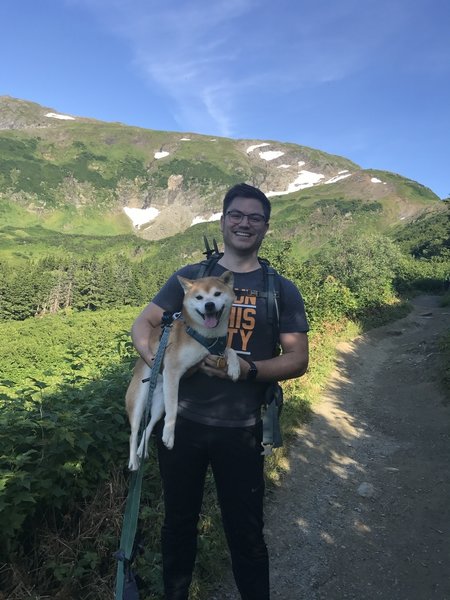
x=243, y=190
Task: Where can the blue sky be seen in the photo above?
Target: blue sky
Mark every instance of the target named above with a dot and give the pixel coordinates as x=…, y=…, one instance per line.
x=364, y=79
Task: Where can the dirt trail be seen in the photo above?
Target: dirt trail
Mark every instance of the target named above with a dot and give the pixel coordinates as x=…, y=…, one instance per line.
x=364, y=512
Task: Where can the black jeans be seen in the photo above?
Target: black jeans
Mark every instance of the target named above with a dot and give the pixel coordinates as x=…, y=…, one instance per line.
x=237, y=465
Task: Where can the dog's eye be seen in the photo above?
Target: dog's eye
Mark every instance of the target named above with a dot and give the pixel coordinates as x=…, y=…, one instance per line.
x=199, y=297
x=217, y=293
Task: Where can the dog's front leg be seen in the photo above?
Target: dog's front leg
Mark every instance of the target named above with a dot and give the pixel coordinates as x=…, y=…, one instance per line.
x=233, y=367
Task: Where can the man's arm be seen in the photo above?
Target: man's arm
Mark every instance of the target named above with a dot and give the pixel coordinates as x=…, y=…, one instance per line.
x=292, y=362
x=146, y=330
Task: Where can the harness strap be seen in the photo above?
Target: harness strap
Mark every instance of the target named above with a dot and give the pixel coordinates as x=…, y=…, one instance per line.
x=124, y=577
x=215, y=346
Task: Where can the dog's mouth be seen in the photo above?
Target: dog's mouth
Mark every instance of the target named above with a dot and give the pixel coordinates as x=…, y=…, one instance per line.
x=211, y=318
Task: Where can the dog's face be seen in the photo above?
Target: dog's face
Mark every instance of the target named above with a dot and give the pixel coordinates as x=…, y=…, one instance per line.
x=208, y=300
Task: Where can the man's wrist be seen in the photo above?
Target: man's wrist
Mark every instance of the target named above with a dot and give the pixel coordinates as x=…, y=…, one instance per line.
x=252, y=372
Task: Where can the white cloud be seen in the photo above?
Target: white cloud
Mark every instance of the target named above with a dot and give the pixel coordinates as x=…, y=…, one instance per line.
x=210, y=58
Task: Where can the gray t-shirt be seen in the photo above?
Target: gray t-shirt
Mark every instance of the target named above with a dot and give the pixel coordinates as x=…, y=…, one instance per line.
x=221, y=402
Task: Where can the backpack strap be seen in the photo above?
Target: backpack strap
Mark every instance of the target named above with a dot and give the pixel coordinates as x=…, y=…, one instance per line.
x=272, y=294
x=212, y=258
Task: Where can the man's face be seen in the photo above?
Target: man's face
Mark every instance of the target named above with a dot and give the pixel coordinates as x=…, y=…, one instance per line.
x=247, y=235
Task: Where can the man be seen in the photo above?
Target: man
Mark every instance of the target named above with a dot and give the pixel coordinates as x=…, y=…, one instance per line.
x=218, y=421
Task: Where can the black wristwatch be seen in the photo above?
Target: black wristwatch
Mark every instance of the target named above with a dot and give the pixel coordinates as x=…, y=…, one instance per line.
x=253, y=371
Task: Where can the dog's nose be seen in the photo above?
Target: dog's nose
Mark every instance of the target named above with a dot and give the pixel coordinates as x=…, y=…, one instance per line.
x=210, y=307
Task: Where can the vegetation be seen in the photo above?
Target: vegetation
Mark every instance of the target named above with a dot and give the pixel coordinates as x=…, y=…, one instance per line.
x=67, y=302
x=63, y=481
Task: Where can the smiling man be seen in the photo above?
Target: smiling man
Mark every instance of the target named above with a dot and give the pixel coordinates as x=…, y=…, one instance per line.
x=219, y=422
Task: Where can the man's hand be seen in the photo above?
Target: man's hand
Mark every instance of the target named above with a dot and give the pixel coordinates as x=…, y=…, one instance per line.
x=215, y=366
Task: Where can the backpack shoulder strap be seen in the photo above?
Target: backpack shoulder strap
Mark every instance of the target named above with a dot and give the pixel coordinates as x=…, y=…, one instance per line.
x=272, y=287
x=212, y=258
x=208, y=264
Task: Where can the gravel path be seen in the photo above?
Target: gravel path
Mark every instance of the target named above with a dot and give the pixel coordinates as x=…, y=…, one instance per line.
x=364, y=512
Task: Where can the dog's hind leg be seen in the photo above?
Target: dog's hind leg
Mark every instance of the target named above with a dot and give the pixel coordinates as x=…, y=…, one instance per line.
x=157, y=411
x=171, y=384
x=135, y=417
x=136, y=401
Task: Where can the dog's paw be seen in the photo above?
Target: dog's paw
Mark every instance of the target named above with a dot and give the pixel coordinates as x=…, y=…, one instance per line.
x=133, y=465
x=233, y=367
x=234, y=371
x=168, y=437
x=140, y=451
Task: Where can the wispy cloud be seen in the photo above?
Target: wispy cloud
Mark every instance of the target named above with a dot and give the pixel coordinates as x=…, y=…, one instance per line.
x=207, y=56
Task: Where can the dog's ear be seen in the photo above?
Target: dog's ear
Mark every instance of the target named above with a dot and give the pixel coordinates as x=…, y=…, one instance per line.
x=185, y=283
x=228, y=278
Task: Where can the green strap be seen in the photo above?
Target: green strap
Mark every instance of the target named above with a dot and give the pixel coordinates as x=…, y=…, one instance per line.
x=131, y=515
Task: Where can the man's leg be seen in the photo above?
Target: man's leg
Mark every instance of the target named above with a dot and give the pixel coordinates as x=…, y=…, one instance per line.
x=238, y=469
x=183, y=472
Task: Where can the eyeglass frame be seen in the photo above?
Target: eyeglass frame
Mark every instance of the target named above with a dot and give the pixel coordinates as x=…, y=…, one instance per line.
x=249, y=217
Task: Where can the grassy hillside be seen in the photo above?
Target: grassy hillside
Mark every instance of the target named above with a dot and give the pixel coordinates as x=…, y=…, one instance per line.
x=76, y=176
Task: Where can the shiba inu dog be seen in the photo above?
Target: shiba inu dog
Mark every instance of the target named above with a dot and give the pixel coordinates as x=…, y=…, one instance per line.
x=205, y=314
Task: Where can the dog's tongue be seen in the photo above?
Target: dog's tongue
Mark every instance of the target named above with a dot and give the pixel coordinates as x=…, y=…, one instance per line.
x=210, y=321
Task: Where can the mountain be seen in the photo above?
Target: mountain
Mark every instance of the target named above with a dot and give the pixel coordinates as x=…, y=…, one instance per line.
x=76, y=175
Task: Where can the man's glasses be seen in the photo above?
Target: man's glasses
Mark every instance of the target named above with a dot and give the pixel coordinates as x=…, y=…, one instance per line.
x=236, y=216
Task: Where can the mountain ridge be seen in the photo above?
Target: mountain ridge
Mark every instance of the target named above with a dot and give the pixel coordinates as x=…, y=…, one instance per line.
x=75, y=174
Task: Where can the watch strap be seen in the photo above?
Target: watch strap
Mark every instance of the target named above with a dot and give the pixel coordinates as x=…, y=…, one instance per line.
x=253, y=371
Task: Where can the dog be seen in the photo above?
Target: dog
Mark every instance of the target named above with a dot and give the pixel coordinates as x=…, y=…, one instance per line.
x=206, y=309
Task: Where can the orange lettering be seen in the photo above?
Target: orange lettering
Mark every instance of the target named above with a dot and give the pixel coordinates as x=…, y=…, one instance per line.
x=232, y=319
x=231, y=333
x=248, y=320
x=245, y=336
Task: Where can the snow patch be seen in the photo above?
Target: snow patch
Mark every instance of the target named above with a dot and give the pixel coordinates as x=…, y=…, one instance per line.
x=337, y=178
x=185, y=139
x=140, y=216
x=271, y=154
x=162, y=154
x=251, y=148
x=344, y=171
x=376, y=180
x=214, y=217
x=305, y=179
x=284, y=166
x=61, y=117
